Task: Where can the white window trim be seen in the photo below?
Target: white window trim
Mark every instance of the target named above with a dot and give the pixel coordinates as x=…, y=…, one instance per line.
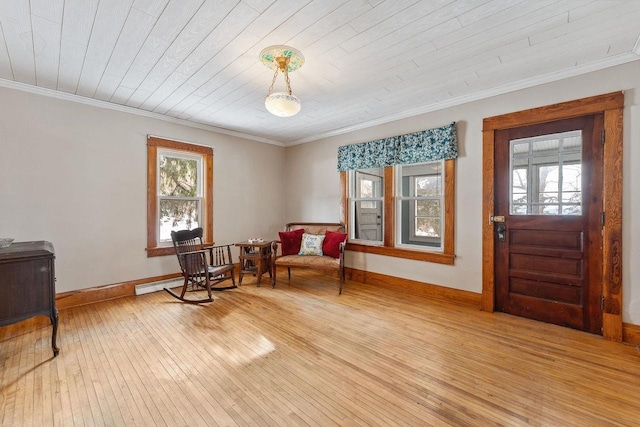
x=352, y=209
x=400, y=198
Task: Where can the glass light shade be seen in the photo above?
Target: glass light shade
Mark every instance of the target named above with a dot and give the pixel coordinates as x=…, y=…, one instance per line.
x=282, y=104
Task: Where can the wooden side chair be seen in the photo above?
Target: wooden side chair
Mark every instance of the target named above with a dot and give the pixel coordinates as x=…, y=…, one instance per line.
x=202, y=267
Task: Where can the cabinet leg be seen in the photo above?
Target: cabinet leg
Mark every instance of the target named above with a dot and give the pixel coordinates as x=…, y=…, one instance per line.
x=54, y=322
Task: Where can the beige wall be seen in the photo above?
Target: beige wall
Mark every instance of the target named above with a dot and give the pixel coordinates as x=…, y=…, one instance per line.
x=312, y=191
x=75, y=175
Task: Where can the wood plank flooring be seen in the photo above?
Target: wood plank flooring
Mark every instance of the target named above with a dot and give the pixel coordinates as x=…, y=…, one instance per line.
x=301, y=354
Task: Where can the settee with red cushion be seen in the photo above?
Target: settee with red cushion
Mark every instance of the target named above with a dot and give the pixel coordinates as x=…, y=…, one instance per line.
x=297, y=252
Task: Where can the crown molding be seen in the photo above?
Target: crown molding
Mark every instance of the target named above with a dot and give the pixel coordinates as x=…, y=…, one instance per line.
x=511, y=87
x=10, y=84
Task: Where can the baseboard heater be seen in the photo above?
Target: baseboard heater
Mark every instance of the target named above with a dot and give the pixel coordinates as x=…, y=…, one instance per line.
x=158, y=286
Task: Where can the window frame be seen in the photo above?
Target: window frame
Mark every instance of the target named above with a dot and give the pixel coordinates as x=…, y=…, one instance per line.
x=389, y=247
x=155, y=146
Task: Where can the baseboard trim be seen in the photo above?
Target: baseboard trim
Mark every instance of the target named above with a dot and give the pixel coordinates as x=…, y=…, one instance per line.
x=631, y=333
x=441, y=293
x=105, y=292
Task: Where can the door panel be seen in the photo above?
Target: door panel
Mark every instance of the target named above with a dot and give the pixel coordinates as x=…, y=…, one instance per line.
x=549, y=190
x=368, y=212
x=370, y=223
x=546, y=290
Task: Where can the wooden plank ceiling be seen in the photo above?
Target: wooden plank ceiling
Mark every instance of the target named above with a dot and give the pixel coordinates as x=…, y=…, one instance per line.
x=367, y=61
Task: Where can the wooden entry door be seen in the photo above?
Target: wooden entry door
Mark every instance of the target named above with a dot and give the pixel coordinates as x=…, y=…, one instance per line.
x=547, y=229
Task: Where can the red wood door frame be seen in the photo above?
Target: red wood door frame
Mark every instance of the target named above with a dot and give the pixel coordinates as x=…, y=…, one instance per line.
x=611, y=105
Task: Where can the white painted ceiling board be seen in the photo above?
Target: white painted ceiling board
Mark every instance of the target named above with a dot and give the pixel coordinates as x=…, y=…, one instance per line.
x=48, y=9
x=46, y=46
x=152, y=50
x=213, y=54
x=151, y=7
x=15, y=18
x=78, y=18
x=5, y=64
x=366, y=61
x=258, y=5
x=208, y=18
x=393, y=23
x=501, y=23
x=135, y=31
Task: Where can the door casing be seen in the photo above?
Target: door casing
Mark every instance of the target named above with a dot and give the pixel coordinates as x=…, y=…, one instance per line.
x=611, y=105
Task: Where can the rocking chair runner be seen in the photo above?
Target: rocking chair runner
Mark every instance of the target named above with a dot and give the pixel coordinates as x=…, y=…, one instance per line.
x=199, y=271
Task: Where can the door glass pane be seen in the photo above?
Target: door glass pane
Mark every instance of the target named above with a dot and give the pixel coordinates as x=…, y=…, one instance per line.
x=546, y=174
x=572, y=180
x=368, y=186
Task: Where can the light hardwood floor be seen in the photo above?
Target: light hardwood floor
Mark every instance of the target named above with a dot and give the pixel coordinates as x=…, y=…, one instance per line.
x=301, y=354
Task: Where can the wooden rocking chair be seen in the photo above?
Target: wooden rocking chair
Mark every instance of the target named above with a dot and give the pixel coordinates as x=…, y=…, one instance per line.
x=199, y=270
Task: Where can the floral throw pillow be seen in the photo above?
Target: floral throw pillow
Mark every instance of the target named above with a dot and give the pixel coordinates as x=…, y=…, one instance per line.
x=311, y=244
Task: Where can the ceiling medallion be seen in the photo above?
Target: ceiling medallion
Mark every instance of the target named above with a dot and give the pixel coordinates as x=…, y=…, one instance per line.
x=284, y=59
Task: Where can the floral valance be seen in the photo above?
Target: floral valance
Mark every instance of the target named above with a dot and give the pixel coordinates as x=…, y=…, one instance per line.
x=424, y=146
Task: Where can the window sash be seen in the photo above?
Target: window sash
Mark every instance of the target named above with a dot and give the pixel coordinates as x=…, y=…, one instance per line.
x=199, y=217
x=160, y=197
x=378, y=202
x=435, y=244
x=185, y=156
x=415, y=217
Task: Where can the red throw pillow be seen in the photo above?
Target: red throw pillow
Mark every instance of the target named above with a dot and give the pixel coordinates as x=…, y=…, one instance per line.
x=291, y=241
x=331, y=244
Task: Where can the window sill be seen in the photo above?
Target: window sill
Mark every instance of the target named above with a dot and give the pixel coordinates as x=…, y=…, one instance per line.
x=167, y=250
x=160, y=251
x=436, y=257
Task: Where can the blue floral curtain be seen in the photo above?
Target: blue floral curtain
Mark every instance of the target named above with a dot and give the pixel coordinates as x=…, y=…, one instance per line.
x=424, y=146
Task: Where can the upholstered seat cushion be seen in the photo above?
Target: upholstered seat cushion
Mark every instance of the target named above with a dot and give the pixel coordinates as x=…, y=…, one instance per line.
x=309, y=261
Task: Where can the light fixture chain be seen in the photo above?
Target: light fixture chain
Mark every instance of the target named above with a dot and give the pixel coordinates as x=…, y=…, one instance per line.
x=287, y=81
x=275, y=75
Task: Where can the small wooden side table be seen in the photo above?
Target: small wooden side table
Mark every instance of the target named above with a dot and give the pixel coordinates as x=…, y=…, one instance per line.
x=255, y=258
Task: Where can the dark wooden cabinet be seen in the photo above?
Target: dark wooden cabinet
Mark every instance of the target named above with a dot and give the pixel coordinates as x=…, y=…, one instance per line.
x=27, y=284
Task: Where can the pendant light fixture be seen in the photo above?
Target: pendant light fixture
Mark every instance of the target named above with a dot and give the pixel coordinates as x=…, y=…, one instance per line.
x=284, y=59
